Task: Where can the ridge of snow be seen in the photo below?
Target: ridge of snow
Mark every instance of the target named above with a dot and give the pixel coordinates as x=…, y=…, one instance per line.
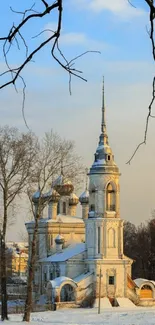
x=66, y=253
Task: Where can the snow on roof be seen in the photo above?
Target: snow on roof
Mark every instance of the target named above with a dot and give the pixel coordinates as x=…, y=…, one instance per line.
x=102, y=146
x=59, y=237
x=84, y=194
x=51, y=192
x=66, y=219
x=140, y=281
x=60, y=180
x=60, y=218
x=66, y=253
x=58, y=281
x=82, y=276
x=73, y=196
x=99, y=162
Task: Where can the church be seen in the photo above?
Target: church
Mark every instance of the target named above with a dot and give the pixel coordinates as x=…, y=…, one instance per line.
x=82, y=256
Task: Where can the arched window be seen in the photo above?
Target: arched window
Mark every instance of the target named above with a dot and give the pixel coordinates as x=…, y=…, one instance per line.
x=110, y=198
x=64, y=207
x=146, y=292
x=58, y=208
x=67, y=293
x=92, y=207
x=99, y=240
x=50, y=241
x=111, y=238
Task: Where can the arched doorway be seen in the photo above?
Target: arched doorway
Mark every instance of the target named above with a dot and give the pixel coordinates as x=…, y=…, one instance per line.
x=146, y=292
x=67, y=293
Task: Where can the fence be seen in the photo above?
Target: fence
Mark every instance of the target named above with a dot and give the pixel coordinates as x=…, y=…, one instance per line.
x=19, y=309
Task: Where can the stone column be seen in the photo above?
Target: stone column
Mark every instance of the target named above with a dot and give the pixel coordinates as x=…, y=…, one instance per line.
x=73, y=201
x=85, y=210
x=72, y=210
x=52, y=210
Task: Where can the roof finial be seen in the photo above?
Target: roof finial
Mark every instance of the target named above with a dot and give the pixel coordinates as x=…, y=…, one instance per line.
x=103, y=125
x=62, y=172
x=86, y=178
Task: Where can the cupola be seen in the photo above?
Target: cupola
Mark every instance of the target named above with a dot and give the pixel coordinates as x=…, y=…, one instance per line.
x=63, y=186
x=52, y=195
x=73, y=199
x=59, y=240
x=84, y=197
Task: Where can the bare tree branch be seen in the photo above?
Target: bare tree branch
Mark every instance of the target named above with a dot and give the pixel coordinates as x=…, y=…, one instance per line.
x=149, y=115
x=16, y=33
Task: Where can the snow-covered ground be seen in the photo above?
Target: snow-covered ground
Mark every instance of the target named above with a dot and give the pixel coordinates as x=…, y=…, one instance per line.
x=78, y=316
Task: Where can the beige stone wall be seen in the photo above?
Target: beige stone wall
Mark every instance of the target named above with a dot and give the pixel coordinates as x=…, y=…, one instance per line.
x=74, y=233
x=118, y=269
x=75, y=268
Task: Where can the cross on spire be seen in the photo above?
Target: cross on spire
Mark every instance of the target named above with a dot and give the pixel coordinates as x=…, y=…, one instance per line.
x=103, y=123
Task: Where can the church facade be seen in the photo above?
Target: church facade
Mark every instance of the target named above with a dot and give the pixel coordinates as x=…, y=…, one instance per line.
x=79, y=256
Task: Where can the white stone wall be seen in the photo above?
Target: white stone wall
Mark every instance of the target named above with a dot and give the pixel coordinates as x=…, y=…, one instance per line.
x=75, y=267
x=110, y=268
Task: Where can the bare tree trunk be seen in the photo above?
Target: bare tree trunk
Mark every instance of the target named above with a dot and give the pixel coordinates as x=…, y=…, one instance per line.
x=4, y=310
x=28, y=302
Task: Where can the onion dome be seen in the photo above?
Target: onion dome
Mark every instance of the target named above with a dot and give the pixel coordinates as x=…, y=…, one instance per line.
x=59, y=240
x=73, y=200
x=63, y=186
x=52, y=195
x=84, y=197
x=36, y=196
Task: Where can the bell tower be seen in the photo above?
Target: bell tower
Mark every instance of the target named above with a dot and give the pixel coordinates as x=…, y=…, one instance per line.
x=104, y=228
x=104, y=177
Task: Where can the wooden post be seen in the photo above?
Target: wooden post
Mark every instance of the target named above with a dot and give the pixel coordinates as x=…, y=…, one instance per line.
x=99, y=299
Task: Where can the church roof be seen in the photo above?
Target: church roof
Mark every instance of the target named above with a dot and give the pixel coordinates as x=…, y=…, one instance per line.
x=58, y=281
x=66, y=253
x=66, y=219
x=140, y=281
x=83, y=276
x=60, y=218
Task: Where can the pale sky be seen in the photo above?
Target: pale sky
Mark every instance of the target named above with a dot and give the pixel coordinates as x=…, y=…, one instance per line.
x=118, y=30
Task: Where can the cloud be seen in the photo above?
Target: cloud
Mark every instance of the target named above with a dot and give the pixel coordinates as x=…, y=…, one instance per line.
x=76, y=39
x=73, y=38
x=121, y=8
x=66, y=38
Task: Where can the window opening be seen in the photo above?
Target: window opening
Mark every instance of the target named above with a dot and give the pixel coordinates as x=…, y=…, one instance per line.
x=111, y=280
x=64, y=208
x=99, y=239
x=92, y=207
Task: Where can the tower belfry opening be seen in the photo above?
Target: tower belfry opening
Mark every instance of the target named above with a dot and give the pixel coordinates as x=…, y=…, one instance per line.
x=110, y=198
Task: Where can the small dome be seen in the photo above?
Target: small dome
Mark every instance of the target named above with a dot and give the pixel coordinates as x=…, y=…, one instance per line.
x=63, y=186
x=73, y=200
x=84, y=197
x=59, y=240
x=52, y=195
x=36, y=196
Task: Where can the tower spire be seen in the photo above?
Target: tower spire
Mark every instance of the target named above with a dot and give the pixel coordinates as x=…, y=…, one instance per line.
x=103, y=124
